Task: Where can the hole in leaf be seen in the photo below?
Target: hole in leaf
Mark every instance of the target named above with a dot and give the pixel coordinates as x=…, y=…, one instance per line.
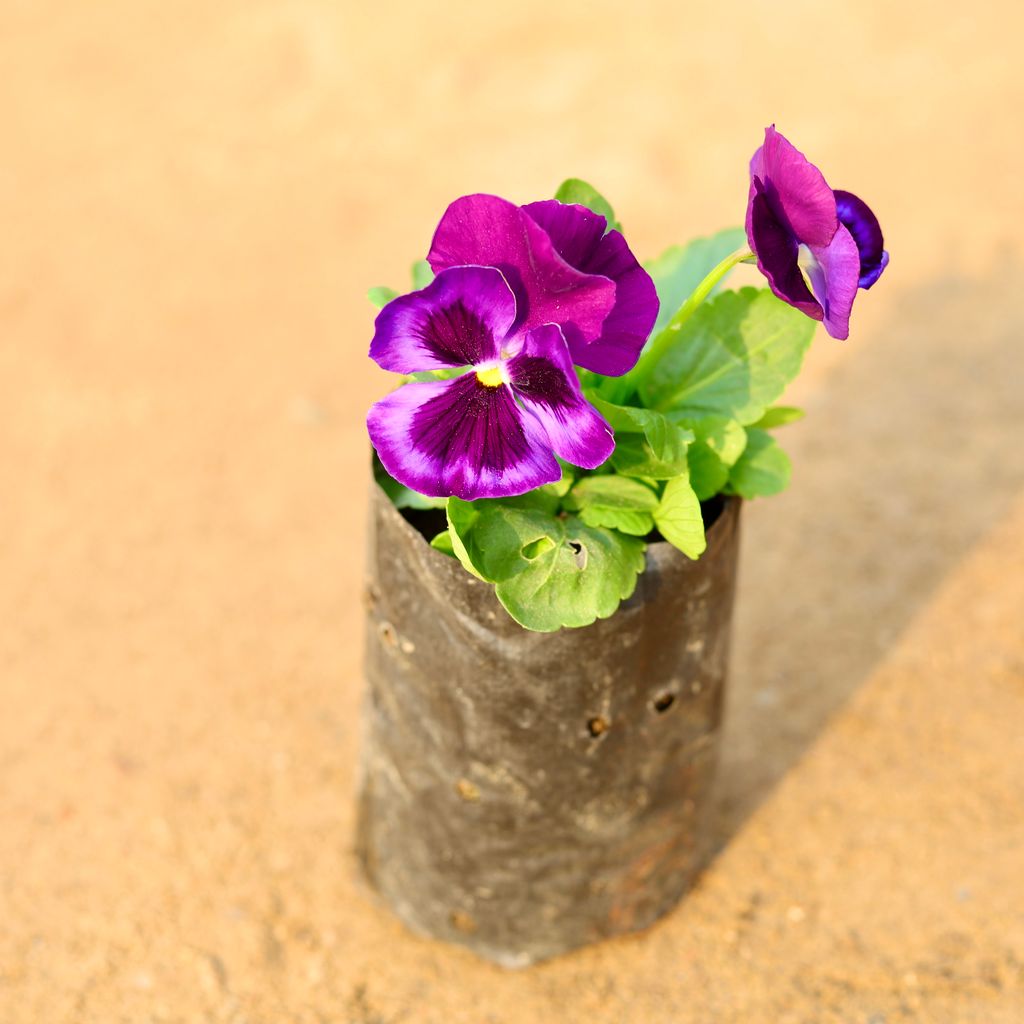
x=537, y=547
x=598, y=726
x=580, y=553
x=388, y=634
x=663, y=702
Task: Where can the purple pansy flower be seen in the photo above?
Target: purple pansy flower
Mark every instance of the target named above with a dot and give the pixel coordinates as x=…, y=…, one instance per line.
x=494, y=431
x=563, y=268
x=797, y=225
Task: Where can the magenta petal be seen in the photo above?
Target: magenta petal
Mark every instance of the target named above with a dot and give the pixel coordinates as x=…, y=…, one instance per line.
x=834, y=280
x=460, y=437
x=578, y=235
x=574, y=230
x=796, y=189
x=629, y=324
x=489, y=231
x=867, y=233
x=545, y=383
x=459, y=319
x=777, y=253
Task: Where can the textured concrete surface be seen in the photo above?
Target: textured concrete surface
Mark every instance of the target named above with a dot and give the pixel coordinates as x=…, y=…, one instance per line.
x=193, y=199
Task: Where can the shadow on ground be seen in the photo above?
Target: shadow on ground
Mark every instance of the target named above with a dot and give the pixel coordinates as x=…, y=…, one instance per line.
x=910, y=451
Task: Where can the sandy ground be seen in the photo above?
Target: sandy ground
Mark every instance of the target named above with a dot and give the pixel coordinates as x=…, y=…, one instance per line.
x=193, y=200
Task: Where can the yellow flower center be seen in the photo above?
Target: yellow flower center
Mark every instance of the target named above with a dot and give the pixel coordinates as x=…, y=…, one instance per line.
x=490, y=378
x=808, y=266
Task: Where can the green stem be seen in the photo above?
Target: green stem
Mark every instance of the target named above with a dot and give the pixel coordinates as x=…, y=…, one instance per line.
x=666, y=337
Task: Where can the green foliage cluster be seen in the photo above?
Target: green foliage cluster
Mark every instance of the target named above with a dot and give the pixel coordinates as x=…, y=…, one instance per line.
x=692, y=421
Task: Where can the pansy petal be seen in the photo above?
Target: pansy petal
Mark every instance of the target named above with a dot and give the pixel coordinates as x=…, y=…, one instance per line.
x=491, y=231
x=575, y=231
x=459, y=319
x=834, y=280
x=544, y=381
x=796, y=189
x=578, y=235
x=460, y=437
x=632, y=318
x=867, y=233
x=777, y=252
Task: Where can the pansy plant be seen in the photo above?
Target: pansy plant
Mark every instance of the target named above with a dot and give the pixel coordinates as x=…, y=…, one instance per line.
x=566, y=405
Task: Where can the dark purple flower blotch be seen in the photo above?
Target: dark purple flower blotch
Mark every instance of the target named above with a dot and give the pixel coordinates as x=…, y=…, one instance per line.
x=815, y=246
x=495, y=430
x=856, y=216
x=564, y=268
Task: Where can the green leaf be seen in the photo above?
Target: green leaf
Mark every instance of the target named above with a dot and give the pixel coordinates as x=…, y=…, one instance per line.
x=443, y=543
x=543, y=499
x=733, y=357
x=722, y=434
x=550, y=571
x=612, y=389
x=546, y=498
x=443, y=373
x=678, y=270
x=679, y=519
x=462, y=517
x=381, y=296
x=582, y=576
x=647, y=443
x=615, y=390
x=490, y=536
x=616, y=502
x=779, y=416
x=422, y=275
x=628, y=521
x=400, y=495
x=763, y=468
x=708, y=473
x=718, y=443
x=575, y=190
x=634, y=457
x=560, y=488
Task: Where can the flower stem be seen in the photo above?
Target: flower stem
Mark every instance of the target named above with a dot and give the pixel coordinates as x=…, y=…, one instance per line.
x=666, y=337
